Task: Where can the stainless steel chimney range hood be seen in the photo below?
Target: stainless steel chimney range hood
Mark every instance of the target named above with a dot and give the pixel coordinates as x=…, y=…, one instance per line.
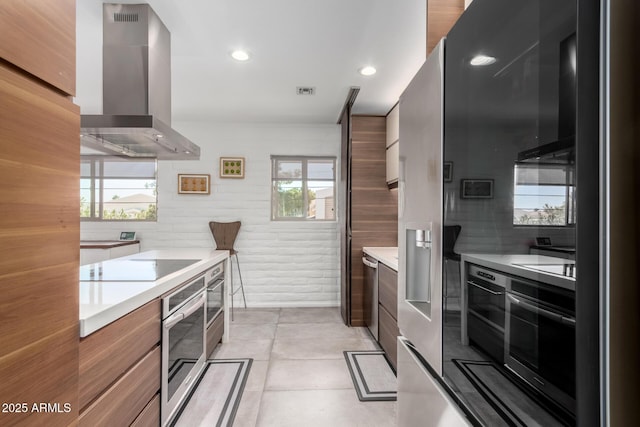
x=136, y=89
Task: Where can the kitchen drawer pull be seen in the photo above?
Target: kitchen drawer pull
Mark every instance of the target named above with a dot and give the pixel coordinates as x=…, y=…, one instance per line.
x=369, y=263
x=484, y=289
x=535, y=309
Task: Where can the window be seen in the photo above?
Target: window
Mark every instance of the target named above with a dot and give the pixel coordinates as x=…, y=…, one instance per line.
x=116, y=189
x=544, y=195
x=303, y=188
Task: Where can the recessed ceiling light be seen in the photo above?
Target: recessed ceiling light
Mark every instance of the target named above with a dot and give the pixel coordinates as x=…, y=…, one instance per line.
x=480, y=60
x=240, y=55
x=368, y=71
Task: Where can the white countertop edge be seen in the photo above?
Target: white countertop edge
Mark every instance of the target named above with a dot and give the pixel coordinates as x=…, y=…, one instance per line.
x=505, y=263
x=386, y=255
x=93, y=318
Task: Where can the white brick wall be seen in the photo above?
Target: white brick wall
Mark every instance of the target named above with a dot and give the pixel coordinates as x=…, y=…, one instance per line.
x=283, y=263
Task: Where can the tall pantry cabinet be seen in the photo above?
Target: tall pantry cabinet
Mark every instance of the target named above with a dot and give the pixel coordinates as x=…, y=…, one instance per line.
x=368, y=212
x=39, y=213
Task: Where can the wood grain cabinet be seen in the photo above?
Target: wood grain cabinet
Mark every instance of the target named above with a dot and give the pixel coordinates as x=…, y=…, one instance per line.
x=388, y=311
x=120, y=370
x=393, y=146
x=39, y=37
x=370, y=217
x=39, y=235
x=214, y=333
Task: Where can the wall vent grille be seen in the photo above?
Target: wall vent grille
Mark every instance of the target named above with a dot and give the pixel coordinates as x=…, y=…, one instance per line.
x=125, y=17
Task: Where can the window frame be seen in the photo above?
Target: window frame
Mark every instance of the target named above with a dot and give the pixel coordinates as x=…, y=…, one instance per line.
x=569, y=193
x=304, y=180
x=97, y=192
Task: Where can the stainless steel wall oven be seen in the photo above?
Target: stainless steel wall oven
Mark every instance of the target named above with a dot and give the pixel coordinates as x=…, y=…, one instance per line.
x=486, y=310
x=183, y=341
x=540, y=338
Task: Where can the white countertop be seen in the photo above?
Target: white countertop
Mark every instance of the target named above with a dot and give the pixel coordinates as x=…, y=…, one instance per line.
x=508, y=264
x=103, y=302
x=386, y=255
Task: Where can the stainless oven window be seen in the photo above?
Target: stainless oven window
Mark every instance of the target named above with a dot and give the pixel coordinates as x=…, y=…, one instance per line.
x=186, y=344
x=183, y=341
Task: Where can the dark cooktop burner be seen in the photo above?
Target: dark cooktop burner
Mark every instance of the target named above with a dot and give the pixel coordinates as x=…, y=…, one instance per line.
x=564, y=269
x=132, y=270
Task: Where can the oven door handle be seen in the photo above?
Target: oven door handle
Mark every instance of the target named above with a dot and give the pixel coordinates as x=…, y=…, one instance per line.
x=212, y=287
x=535, y=309
x=184, y=312
x=484, y=289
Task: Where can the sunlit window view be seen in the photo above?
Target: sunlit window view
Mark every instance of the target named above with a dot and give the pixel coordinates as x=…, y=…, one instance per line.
x=303, y=188
x=544, y=196
x=115, y=190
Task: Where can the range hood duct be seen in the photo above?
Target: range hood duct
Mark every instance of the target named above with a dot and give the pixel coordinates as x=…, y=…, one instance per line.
x=136, y=89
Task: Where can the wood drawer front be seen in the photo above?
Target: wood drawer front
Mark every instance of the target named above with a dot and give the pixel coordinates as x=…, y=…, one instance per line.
x=214, y=333
x=121, y=404
x=388, y=289
x=387, y=334
x=40, y=37
x=150, y=415
x=109, y=352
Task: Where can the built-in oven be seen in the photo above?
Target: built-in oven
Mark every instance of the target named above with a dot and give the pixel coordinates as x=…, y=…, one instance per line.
x=486, y=310
x=183, y=341
x=215, y=292
x=540, y=343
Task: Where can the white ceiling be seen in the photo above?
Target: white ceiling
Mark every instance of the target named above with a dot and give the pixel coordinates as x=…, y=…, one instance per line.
x=319, y=43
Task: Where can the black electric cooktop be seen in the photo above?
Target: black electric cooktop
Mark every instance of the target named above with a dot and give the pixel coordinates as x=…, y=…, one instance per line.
x=132, y=270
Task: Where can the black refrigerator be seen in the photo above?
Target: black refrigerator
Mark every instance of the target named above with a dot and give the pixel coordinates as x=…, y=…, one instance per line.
x=500, y=277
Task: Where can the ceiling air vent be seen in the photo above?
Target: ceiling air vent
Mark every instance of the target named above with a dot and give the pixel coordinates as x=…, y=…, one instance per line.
x=305, y=90
x=125, y=17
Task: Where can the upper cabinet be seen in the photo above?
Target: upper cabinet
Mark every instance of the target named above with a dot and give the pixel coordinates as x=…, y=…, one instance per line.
x=393, y=145
x=40, y=37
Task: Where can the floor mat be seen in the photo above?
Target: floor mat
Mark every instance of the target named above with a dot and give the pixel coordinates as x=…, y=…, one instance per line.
x=372, y=375
x=215, y=398
x=514, y=406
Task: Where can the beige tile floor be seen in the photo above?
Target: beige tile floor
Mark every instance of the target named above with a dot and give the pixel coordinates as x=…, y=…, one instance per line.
x=299, y=376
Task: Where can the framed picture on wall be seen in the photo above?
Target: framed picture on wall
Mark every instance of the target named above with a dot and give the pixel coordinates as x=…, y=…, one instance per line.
x=447, y=171
x=231, y=167
x=476, y=188
x=194, y=184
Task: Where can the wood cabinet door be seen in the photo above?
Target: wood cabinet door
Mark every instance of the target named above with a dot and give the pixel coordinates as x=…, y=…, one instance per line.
x=39, y=236
x=39, y=36
x=388, y=289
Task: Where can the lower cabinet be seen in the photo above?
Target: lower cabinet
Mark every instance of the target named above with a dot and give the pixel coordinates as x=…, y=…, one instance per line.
x=388, y=335
x=214, y=333
x=388, y=311
x=119, y=377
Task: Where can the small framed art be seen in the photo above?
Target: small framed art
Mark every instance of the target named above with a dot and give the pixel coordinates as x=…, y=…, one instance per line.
x=447, y=171
x=231, y=167
x=476, y=188
x=194, y=184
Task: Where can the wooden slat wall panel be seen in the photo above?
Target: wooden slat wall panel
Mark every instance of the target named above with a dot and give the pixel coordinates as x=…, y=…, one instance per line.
x=441, y=15
x=111, y=351
x=39, y=36
x=39, y=236
x=374, y=208
x=128, y=397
